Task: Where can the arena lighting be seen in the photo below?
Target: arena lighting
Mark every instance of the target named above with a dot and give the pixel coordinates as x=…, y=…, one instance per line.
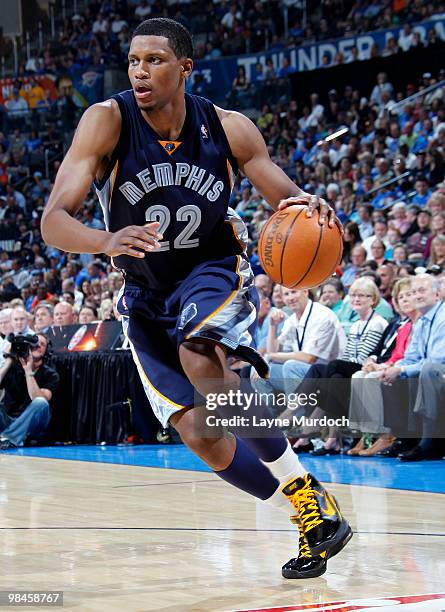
x=334, y=135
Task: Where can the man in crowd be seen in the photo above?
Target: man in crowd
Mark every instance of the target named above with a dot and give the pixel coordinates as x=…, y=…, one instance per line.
x=425, y=350
x=311, y=334
x=29, y=385
x=5, y=330
x=64, y=314
x=43, y=317
x=20, y=321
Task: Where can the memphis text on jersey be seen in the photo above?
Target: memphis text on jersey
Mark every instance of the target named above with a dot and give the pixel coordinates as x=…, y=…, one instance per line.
x=167, y=175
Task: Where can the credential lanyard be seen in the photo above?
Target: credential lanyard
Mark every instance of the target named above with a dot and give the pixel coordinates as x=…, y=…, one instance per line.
x=360, y=335
x=425, y=350
x=300, y=342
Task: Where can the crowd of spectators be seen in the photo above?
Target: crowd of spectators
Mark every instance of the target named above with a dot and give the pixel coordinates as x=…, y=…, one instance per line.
x=101, y=32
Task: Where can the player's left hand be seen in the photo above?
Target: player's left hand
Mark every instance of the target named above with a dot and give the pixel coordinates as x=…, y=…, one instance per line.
x=313, y=202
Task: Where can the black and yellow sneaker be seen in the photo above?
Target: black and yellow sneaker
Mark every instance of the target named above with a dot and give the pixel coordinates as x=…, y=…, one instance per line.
x=306, y=565
x=319, y=516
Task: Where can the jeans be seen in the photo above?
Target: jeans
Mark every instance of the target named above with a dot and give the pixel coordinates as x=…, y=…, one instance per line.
x=32, y=423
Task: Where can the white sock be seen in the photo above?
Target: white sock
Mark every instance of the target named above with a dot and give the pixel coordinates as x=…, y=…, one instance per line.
x=280, y=501
x=287, y=466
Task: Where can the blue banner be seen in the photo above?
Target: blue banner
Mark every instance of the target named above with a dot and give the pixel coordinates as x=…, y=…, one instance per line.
x=219, y=74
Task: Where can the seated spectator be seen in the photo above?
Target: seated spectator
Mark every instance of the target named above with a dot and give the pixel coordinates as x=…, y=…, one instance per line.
x=417, y=242
x=312, y=333
x=437, y=252
x=87, y=314
x=394, y=238
x=378, y=249
x=64, y=314
x=398, y=220
x=106, y=311
x=332, y=294
x=20, y=321
x=437, y=229
x=387, y=274
x=423, y=192
x=426, y=348
x=352, y=270
x=16, y=108
x=43, y=317
x=5, y=330
x=351, y=238
x=380, y=232
x=365, y=224
x=366, y=404
x=400, y=254
x=264, y=284
x=363, y=339
x=29, y=385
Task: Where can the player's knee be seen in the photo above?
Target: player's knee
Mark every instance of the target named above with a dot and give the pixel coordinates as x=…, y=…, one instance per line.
x=196, y=361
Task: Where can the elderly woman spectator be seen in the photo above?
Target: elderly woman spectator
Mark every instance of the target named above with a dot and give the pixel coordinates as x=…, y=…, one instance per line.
x=366, y=405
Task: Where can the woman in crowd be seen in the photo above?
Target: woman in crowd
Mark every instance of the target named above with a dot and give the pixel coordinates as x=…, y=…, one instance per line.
x=351, y=239
x=366, y=405
x=363, y=339
x=378, y=249
x=438, y=251
x=400, y=254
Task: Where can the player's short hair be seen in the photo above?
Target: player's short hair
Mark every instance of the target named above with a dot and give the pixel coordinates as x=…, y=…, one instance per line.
x=179, y=37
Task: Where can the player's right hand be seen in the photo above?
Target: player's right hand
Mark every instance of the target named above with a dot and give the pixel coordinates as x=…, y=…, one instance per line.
x=134, y=240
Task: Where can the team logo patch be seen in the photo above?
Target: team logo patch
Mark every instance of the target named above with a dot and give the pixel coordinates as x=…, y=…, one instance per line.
x=204, y=132
x=170, y=145
x=187, y=315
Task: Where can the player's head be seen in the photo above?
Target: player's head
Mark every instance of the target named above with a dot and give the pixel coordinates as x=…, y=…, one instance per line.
x=159, y=61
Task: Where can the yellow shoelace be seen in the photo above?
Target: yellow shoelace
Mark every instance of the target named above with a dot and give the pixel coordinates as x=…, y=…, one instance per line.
x=303, y=547
x=304, y=502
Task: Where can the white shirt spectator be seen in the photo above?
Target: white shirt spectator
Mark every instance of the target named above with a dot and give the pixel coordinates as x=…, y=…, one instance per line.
x=316, y=115
x=323, y=337
x=228, y=21
x=100, y=26
x=16, y=106
x=367, y=244
x=143, y=10
x=118, y=25
x=21, y=278
x=405, y=40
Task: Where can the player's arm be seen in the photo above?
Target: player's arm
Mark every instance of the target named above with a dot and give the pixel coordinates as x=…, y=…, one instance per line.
x=94, y=141
x=249, y=149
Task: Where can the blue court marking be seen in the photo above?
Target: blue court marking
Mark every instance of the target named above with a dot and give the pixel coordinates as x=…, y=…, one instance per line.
x=426, y=476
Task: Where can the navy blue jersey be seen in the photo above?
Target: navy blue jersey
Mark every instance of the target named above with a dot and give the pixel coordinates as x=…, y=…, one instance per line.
x=183, y=184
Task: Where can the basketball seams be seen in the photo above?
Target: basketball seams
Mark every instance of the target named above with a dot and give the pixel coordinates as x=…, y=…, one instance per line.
x=313, y=259
x=283, y=248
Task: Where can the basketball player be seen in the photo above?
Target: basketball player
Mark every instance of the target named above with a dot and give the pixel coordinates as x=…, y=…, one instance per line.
x=163, y=164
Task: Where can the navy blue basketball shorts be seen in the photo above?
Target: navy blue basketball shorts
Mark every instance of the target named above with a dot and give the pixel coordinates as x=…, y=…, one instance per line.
x=217, y=301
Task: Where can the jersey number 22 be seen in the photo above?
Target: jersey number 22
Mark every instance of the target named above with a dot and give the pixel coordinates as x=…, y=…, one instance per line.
x=189, y=213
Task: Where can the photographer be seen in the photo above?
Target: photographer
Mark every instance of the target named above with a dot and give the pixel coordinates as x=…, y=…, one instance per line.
x=29, y=385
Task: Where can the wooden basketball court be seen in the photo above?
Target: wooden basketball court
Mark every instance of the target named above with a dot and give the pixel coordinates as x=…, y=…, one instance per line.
x=126, y=537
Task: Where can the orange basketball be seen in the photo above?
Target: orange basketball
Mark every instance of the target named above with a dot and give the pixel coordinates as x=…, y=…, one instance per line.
x=298, y=252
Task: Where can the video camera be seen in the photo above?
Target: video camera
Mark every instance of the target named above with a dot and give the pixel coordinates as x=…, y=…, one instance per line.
x=22, y=344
